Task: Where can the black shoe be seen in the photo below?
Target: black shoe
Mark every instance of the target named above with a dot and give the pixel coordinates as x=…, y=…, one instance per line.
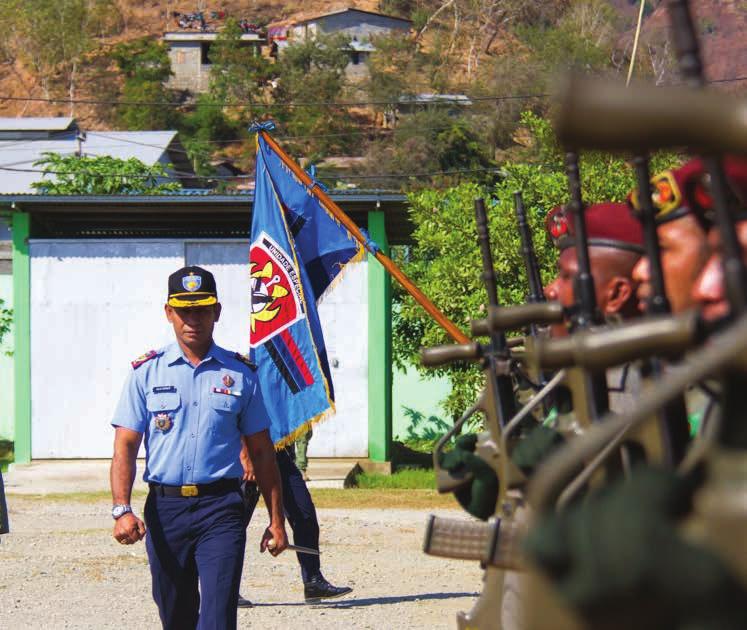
x=318, y=589
x=244, y=603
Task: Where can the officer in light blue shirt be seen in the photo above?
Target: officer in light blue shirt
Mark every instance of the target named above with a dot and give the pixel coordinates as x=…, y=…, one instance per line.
x=193, y=403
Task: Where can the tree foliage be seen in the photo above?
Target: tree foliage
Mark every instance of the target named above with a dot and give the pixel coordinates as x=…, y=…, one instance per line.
x=101, y=175
x=145, y=66
x=434, y=141
x=6, y=321
x=238, y=73
x=313, y=71
x=445, y=259
x=54, y=36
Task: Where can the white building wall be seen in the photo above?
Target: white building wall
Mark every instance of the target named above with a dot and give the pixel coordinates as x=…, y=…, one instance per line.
x=98, y=304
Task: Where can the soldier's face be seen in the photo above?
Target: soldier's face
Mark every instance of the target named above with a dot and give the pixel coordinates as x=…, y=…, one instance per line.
x=684, y=252
x=709, y=292
x=193, y=326
x=610, y=267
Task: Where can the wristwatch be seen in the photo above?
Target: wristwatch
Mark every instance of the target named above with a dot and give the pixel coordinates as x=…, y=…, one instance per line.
x=119, y=511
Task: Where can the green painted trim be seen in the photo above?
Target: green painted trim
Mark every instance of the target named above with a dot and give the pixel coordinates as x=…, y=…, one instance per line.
x=22, y=336
x=379, y=346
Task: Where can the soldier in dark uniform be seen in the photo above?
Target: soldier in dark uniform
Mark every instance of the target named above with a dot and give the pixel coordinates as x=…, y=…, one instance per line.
x=301, y=514
x=195, y=405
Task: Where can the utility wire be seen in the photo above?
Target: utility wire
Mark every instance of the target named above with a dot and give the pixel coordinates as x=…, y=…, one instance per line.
x=404, y=100
x=182, y=175
x=279, y=104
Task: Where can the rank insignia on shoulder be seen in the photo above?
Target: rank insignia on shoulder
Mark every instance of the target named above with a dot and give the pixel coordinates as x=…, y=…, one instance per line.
x=143, y=359
x=163, y=422
x=245, y=360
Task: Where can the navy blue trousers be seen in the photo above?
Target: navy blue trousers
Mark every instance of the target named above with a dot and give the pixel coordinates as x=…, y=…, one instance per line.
x=191, y=541
x=300, y=512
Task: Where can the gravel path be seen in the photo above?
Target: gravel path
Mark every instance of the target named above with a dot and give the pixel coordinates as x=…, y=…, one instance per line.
x=60, y=568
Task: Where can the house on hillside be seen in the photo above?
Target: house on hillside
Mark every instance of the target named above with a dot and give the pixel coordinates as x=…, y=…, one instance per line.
x=357, y=25
x=189, y=52
x=23, y=141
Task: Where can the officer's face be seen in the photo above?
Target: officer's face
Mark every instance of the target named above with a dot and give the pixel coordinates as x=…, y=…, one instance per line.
x=709, y=292
x=684, y=252
x=193, y=326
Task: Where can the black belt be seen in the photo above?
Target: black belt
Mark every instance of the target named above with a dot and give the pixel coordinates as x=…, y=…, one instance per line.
x=222, y=486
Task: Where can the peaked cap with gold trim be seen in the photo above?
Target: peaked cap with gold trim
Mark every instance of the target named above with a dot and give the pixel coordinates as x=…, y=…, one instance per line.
x=192, y=286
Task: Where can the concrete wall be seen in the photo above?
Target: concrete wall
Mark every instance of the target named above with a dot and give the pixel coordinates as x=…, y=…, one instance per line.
x=416, y=405
x=97, y=304
x=189, y=72
x=7, y=382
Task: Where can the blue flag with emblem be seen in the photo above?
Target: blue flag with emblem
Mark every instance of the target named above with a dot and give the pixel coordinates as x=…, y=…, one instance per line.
x=297, y=251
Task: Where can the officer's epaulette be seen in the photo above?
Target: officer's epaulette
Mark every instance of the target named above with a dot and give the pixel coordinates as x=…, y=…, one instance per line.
x=143, y=359
x=245, y=360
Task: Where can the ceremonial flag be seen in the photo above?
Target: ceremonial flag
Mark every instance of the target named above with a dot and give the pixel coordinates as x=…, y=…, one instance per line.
x=297, y=251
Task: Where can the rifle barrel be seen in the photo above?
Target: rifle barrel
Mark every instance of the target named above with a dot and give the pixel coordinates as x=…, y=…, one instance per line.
x=536, y=293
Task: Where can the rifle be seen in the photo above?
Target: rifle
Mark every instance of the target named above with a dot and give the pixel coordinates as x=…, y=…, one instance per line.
x=445, y=537
x=590, y=399
x=673, y=424
x=536, y=293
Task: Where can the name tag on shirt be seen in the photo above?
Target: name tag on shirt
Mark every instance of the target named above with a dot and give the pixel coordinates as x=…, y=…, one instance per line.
x=227, y=392
x=164, y=389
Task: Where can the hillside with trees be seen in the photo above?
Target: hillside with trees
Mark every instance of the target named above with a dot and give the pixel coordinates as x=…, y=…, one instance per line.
x=104, y=60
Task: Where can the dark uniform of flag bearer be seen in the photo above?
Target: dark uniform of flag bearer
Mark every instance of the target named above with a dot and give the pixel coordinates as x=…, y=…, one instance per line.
x=193, y=402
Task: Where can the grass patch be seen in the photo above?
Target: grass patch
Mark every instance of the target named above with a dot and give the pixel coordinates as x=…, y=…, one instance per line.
x=403, y=479
x=6, y=454
x=378, y=498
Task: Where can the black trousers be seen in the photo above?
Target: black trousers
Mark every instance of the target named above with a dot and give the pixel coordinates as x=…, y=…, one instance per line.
x=300, y=512
x=191, y=541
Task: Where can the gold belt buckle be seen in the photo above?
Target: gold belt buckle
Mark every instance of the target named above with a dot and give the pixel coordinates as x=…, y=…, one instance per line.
x=189, y=491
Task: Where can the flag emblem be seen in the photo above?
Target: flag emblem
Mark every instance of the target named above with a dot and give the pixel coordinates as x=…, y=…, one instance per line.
x=276, y=291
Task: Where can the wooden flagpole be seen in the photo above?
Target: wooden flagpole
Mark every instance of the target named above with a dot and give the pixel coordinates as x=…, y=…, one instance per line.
x=445, y=323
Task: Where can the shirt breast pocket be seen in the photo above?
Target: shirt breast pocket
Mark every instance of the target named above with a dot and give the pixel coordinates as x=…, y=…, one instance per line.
x=225, y=409
x=163, y=402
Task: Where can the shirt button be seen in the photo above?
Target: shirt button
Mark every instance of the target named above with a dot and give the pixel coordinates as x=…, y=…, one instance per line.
x=194, y=403
x=189, y=467
x=192, y=435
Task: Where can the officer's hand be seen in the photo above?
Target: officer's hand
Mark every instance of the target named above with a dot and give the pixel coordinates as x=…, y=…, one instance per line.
x=274, y=540
x=246, y=464
x=249, y=473
x=128, y=529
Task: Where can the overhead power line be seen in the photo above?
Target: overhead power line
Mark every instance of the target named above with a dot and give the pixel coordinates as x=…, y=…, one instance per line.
x=403, y=100
x=182, y=175
x=408, y=100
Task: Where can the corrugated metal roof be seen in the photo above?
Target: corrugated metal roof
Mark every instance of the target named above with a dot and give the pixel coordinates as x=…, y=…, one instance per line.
x=321, y=16
x=36, y=124
x=147, y=146
x=189, y=195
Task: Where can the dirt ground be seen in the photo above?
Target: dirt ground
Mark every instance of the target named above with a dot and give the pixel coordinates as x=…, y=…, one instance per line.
x=60, y=568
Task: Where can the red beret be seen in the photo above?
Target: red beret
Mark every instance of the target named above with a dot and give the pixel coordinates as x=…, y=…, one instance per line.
x=686, y=190
x=607, y=225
